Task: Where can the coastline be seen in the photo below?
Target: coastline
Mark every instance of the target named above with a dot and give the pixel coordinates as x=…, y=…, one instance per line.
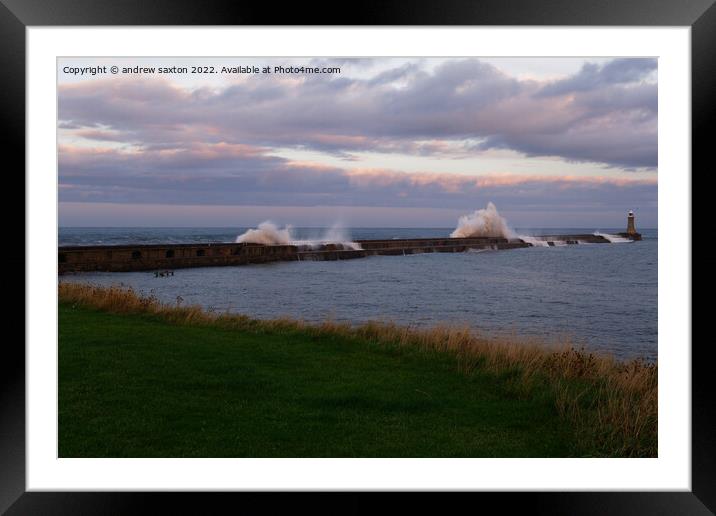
x=610, y=405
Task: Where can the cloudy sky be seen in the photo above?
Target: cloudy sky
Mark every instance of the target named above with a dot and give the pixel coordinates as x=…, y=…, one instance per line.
x=553, y=142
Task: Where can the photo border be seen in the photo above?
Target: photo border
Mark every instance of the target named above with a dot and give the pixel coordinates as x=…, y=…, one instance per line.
x=16, y=15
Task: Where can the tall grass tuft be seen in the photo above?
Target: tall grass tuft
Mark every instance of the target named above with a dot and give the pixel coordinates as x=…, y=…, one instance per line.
x=612, y=404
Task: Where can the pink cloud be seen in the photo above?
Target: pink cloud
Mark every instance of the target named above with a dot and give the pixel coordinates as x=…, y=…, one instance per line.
x=454, y=183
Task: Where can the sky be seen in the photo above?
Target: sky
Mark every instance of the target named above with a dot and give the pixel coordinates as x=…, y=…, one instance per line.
x=392, y=142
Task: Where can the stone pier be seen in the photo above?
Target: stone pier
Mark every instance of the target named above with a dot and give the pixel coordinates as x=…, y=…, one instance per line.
x=123, y=258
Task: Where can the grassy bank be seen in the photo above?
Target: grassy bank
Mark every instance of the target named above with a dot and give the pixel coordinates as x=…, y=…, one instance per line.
x=142, y=379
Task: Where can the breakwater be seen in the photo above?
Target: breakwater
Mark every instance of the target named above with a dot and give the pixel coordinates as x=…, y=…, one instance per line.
x=116, y=258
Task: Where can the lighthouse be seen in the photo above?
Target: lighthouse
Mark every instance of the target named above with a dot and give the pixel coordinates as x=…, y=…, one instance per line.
x=631, y=229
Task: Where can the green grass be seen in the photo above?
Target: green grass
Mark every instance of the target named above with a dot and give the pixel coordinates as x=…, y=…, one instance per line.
x=137, y=386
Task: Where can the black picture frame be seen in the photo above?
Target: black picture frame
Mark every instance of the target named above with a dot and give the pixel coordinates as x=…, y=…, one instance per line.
x=16, y=15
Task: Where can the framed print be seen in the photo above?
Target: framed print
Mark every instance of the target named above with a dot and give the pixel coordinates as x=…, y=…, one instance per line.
x=413, y=251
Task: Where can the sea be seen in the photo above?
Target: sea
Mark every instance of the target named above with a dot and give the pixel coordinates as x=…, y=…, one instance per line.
x=602, y=297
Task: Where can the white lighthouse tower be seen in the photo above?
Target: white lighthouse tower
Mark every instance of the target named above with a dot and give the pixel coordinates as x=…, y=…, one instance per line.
x=631, y=229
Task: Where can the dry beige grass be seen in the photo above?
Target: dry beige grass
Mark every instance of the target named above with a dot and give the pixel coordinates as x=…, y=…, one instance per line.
x=612, y=404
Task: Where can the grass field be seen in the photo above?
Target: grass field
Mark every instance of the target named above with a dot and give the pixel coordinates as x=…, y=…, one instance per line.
x=149, y=383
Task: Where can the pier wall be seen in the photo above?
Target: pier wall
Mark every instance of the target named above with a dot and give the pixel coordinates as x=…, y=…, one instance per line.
x=176, y=256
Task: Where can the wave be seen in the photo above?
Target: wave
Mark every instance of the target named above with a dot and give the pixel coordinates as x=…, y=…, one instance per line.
x=486, y=222
x=536, y=242
x=614, y=239
x=268, y=233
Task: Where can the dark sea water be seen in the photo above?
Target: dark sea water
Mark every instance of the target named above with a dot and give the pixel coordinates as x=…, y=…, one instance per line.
x=604, y=296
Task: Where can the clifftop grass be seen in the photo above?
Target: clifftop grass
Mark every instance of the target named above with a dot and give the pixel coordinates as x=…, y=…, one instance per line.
x=507, y=397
